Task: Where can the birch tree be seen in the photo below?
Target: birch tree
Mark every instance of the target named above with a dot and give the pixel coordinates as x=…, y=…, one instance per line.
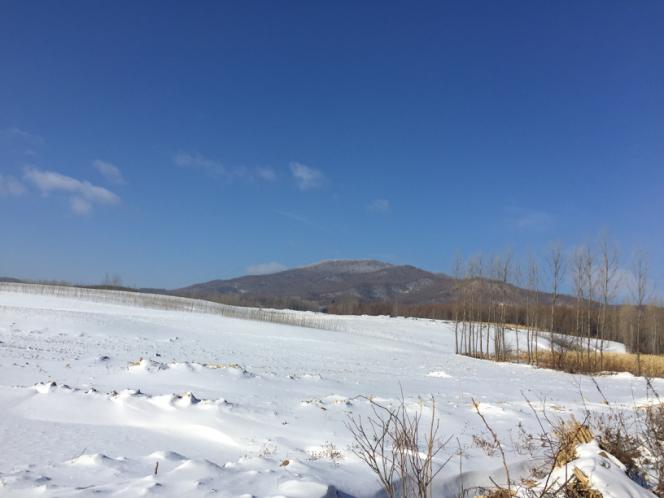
x=607, y=288
x=641, y=287
x=556, y=268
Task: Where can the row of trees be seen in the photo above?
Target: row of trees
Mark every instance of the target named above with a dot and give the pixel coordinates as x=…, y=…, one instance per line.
x=578, y=299
x=176, y=303
x=581, y=299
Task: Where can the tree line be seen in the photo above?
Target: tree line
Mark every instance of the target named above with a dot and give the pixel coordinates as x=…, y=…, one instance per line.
x=577, y=299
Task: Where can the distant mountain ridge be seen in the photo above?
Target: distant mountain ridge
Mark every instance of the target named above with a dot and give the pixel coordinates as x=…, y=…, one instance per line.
x=328, y=282
x=333, y=282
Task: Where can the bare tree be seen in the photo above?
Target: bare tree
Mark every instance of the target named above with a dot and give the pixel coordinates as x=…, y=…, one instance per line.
x=481, y=285
x=112, y=280
x=458, y=275
x=578, y=262
x=501, y=273
x=531, y=318
x=607, y=288
x=517, y=278
x=556, y=262
x=640, y=290
x=476, y=280
x=589, y=283
x=656, y=326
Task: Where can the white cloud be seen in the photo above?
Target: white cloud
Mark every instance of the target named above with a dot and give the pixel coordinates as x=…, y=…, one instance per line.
x=80, y=206
x=200, y=162
x=10, y=186
x=298, y=218
x=216, y=168
x=381, y=206
x=83, y=194
x=306, y=177
x=22, y=135
x=529, y=219
x=109, y=171
x=267, y=174
x=265, y=268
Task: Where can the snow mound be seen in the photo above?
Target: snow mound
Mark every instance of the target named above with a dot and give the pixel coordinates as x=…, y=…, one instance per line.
x=337, y=399
x=45, y=387
x=146, y=366
x=166, y=455
x=307, y=489
x=154, y=367
x=440, y=374
x=175, y=475
x=95, y=459
x=176, y=400
x=603, y=472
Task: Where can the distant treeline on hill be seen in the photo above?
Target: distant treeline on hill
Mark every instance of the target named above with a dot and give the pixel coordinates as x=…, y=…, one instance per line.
x=485, y=290
x=620, y=319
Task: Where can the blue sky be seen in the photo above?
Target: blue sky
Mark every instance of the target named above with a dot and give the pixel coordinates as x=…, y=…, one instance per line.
x=172, y=143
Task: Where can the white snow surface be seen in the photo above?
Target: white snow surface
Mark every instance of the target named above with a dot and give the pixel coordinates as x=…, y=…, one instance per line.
x=95, y=396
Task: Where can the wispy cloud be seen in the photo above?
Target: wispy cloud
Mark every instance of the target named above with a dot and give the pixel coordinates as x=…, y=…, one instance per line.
x=199, y=162
x=80, y=206
x=306, y=177
x=14, y=133
x=529, y=219
x=109, y=171
x=298, y=218
x=10, y=186
x=267, y=174
x=213, y=167
x=83, y=195
x=294, y=217
x=381, y=206
x=265, y=268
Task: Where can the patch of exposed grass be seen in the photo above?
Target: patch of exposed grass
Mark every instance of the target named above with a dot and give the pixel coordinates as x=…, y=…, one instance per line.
x=584, y=363
x=581, y=362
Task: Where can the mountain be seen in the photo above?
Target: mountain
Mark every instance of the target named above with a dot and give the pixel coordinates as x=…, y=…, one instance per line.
x=325, y=282
x=10, y=280
x=336, y=283
x=328, y=282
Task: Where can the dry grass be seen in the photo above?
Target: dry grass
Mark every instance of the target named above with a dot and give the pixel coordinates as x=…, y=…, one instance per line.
x=327, y=452
x=581, y=362
x=496, y=493
x=579, y=487
x=569, y=434
x=564, y=438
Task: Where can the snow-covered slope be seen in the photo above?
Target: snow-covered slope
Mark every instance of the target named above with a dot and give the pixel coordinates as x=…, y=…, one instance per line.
x=94, y=397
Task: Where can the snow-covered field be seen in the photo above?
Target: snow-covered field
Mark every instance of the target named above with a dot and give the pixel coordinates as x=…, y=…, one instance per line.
x=94, y=395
